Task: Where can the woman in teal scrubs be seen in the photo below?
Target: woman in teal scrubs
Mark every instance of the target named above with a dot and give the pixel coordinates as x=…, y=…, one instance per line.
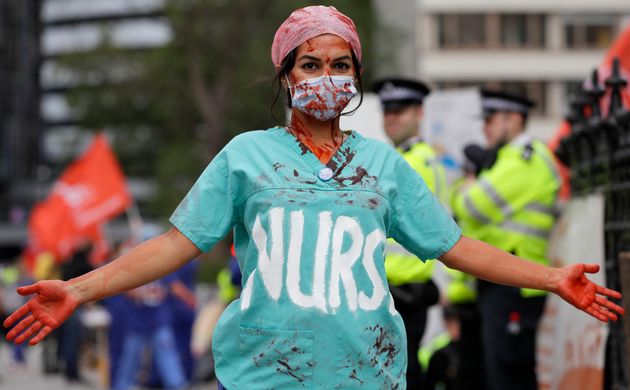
x=310, y=207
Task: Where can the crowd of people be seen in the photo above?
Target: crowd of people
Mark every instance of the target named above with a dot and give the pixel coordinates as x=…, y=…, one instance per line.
x=492, y=328
x=336, y=238
x=148, y=329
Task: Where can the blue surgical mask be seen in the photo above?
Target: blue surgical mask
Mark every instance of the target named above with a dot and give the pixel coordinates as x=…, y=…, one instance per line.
x=323, y=97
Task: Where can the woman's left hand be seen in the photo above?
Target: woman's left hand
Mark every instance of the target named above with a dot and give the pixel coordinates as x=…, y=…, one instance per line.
x=575, y=288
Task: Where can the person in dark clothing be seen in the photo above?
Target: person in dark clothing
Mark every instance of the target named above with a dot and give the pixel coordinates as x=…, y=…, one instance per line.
x=409, y=278
x=440, y=359
x=182, y=302
x=70, y=333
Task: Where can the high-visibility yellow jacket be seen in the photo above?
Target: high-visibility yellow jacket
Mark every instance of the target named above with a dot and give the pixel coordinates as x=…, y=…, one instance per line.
x=401, y=266
x=461, y=287
x=426, y=353
x=512, y=205
x=227, y=291
x=9, y=276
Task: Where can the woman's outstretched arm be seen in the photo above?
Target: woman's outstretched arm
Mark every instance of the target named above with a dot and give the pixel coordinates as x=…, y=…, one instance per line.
x=56, y=300
x=570, y=282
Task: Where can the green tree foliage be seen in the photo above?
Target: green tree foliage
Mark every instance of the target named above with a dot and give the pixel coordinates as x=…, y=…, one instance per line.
x=171, y=109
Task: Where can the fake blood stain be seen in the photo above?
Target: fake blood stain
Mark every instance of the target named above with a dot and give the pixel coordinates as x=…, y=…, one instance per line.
x=323, y=151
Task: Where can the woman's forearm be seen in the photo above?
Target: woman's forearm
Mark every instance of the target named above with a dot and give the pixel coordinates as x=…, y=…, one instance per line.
x=495, y=265
x=146, y=262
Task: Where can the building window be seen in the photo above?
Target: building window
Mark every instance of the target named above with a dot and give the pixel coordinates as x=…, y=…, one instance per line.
x=455, y=84
x=572, y=88
x=492, y=31
x=462, y=31
x=521, y=31
x=533, y=90
x=589, y=31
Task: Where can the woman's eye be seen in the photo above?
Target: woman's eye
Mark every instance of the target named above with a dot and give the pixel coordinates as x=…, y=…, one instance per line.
x=342, y=66
x=309, y=66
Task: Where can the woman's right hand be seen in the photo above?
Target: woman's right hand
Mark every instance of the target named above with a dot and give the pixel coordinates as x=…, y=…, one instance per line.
x=51, y=306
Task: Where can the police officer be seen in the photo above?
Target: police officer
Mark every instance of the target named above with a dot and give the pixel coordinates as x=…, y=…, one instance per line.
x=511, y=204
x=461, y=294
x=462, y=297
x=409, y=278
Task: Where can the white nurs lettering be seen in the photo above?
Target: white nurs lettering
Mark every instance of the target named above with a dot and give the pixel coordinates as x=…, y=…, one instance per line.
x=339, y=244
x=246, y=295
x=271, y=265
x=341, y=262
x=372, y=241
x=317, y=298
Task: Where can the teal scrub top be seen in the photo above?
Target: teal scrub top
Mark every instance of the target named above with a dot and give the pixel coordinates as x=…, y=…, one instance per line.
x=315, y=309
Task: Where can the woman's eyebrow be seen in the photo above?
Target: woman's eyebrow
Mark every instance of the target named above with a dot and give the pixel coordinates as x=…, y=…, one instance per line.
x=309, y=57
x=343, y=58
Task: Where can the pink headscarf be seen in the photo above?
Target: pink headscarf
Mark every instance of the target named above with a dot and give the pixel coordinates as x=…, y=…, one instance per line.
x=309, y=22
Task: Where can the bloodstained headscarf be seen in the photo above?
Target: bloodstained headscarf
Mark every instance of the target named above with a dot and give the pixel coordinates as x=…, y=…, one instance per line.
x=309, y=22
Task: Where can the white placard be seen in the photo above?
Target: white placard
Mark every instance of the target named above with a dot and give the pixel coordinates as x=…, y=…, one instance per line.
x=571, y=344
x=452, y=120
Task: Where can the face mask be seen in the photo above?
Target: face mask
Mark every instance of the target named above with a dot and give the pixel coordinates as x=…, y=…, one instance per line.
x=323, y=97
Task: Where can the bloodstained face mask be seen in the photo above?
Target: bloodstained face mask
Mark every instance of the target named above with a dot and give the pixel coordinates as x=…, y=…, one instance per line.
x=323, y=97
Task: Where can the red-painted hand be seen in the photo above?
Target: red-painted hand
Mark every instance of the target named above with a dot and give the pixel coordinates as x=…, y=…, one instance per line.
x=575, y=288
x=52, y=305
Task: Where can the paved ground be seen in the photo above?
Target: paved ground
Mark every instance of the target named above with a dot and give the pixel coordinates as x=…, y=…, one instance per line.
x=31, y=377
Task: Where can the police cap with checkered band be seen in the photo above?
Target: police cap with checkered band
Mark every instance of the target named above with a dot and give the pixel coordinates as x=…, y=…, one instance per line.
x=397, y=93
x=493, y=101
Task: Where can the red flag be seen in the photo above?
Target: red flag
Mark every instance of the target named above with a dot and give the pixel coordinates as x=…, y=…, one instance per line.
x=94, y=186
x=91, y=191
x=620, y=49
x=51, y=229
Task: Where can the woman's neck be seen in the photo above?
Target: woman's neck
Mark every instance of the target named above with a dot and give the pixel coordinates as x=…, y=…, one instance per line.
x=321, y=138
